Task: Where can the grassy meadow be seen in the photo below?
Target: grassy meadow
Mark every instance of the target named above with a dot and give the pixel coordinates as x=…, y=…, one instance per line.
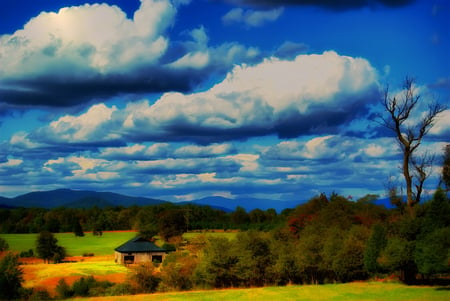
x=75, y=246
x=348, y=292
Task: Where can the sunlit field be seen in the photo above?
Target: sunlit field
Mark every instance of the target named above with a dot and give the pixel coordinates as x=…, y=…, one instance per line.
x=349, y=291
x=47, y=275
x=75, y=246
x=104, y=245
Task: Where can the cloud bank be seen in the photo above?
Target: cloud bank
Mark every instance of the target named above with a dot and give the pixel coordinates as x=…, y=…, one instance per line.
x=311, y=94
x=80, y=53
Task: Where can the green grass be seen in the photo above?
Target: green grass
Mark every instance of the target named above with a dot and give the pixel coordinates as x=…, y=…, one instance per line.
x=75, y=246
x=349, y=291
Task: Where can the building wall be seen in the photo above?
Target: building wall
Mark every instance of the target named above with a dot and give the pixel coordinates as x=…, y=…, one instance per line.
x=138, y=257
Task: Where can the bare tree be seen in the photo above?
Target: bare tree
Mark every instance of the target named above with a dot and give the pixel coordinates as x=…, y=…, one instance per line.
x=409, y=133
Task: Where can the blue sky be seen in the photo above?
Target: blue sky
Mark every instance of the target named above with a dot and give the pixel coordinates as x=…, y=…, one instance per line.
x=238, y=98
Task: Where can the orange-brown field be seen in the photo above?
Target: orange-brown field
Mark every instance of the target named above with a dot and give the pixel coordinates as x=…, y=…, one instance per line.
x=38, y=274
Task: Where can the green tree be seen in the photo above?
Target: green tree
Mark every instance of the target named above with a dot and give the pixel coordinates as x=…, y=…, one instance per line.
x=256, y=261
x=240, y=216
x=399, y=256
x=3, y=245
x=48, y=249
x=218, y=265
x=77, y=229
x=349, y=262
x=63, y=290
x=446, y=167
x=432, y=252
x=375, y=244
x=11, y=277
x=171, y=223
x=148, y=230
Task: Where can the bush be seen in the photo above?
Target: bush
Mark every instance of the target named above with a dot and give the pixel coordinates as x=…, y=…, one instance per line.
x=39, y=294
x=120, y=289
x=3, y=245
x=145, y=279
x=28, y=253
x=11, y=277
x=63, y=290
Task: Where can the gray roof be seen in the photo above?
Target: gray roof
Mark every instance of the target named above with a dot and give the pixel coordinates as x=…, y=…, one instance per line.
x=138, y=244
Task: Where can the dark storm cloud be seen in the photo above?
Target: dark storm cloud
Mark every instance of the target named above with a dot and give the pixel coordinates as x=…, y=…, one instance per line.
x=60, y=91
x=328, y=4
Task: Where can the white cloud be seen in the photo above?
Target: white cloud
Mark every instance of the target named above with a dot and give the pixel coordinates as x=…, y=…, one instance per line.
x=87, y=127
x=442, y=125
x=66, y=40
x=334, y=148
x=252, y=18
x=311, y=93
x=94, y=51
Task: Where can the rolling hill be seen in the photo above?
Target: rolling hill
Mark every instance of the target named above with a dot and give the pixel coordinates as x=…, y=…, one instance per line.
x=75, y=199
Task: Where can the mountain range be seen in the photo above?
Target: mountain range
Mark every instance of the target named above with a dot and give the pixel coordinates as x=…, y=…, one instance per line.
x=86, y=199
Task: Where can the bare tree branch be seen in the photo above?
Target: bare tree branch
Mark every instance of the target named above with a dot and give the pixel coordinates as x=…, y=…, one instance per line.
x=398, y=118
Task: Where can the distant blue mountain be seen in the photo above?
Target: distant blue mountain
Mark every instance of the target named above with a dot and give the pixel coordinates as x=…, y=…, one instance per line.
x=76, y=199
x=87, y=199
x=248, y=204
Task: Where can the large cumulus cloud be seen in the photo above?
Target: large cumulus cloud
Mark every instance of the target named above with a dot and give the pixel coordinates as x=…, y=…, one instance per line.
x=79, y=53
x=311, y=94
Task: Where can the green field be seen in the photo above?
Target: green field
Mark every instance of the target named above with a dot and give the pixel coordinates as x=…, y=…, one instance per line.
x=349, y=291
x=75, y=246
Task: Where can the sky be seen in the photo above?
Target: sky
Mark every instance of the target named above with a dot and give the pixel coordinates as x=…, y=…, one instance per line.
x=184, y=99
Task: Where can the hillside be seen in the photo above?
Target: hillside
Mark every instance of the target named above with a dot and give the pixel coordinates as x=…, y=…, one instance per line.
x=75, y=199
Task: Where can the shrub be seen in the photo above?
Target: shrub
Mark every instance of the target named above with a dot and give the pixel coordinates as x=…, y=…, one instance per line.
x=11, y=277
x=39, y=294
x=3, y=245
x=28, y=253
x=63, y=290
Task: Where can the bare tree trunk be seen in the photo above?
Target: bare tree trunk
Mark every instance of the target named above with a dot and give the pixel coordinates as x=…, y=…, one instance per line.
x=408, y=179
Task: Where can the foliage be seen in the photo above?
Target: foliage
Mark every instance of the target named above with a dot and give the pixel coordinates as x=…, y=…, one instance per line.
x=11, y=277
x=48, y=249
x=218, y=265
x=39, y=294
x=375, y=244
x=3, y=245
x=172, y=223
x=432, y=252
x=145, y=278
x=446, y=167
x=77, y=229
x=177, y=271
x=399, y=256
x=63, y=290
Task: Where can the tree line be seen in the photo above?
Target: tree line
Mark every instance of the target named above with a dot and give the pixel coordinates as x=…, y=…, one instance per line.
x=193, y=217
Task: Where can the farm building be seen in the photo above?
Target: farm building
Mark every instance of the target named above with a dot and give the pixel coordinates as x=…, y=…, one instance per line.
x=138, y=250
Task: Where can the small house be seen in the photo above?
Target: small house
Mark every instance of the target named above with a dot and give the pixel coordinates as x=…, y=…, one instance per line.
x=138, y=250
